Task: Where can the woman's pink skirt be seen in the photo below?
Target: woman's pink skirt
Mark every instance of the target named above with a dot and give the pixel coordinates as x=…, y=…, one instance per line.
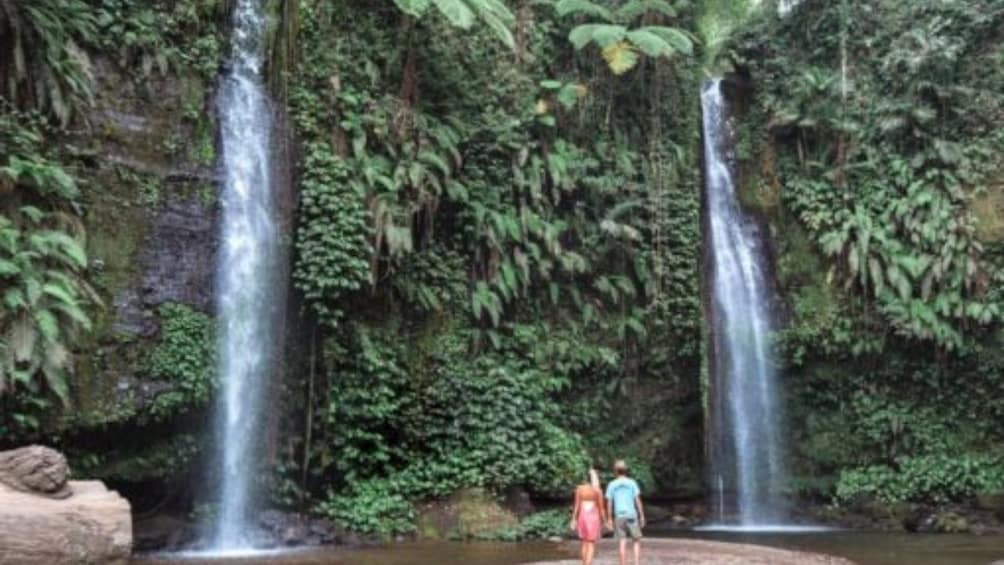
x=588, y=526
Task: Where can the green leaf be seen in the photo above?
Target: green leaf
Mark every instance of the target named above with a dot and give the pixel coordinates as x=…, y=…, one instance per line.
x=583, y=7
x=602, y=34
x=680, y=41
x=650, y=43
x=456, y=12
x=637, y=8
x=568, y=96
x=414, y=8
x=8, y=268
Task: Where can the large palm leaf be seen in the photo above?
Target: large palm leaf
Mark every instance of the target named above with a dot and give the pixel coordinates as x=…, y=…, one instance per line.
x=464, y=13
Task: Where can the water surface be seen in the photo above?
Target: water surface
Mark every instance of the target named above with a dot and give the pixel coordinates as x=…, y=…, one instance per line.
x=864, y=548
x=878, y=548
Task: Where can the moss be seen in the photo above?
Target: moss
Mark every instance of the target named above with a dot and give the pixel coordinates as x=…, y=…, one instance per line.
x=468, y=514
x=988, y=208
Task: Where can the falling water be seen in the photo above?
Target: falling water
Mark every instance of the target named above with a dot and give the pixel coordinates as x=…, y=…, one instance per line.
x=784, y=7
x=747, y=459
x=248, y=260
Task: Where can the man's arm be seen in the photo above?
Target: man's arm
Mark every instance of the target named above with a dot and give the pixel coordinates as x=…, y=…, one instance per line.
x=641, y=510
x=610, y=512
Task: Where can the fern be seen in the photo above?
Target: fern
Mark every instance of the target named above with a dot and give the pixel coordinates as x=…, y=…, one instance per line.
x=44, y=298
x=621, y=57
x=620, y=46
x=635, y=9
x=583, y=7
x=463, y=14
x=41, y=65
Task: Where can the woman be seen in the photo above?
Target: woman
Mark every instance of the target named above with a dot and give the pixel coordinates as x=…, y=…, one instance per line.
x=588, y=515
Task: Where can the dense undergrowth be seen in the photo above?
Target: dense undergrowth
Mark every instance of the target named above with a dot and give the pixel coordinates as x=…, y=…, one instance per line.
x=872, y=142
x=496, y=254
x=499, y=244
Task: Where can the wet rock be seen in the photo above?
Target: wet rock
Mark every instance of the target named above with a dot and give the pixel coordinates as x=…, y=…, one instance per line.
x=950, y=523
x=517, y=501
x=163, y=533
x=992, y=502
x=926, y=521
x=921, y=521
x=292, y=529
x=179, y=257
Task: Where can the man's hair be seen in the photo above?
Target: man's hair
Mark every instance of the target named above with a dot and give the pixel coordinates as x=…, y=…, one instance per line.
x=620, y=467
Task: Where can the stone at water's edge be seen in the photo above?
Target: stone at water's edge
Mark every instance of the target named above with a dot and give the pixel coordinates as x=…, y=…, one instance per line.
x=92, y=527
x=45, y=520
x=700, y=552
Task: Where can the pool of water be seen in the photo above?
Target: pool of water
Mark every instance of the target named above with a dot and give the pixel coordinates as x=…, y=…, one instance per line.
x=864, y=548
x=419, y=553
x=878, y=548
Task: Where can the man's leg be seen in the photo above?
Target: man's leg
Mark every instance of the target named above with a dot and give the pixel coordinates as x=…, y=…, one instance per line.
x=623, y=551
x=637, y=552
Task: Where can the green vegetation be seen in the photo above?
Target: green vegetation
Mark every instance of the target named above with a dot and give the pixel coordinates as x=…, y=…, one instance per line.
x=878, y=128
x=45, y=295
x=497, y=245
x=483, y=245
x=183, y=356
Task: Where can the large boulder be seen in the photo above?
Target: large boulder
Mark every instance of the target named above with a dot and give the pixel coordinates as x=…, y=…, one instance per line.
x=47, y=520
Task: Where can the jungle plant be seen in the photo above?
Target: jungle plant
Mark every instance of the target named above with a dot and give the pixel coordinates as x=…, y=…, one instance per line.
x=620, y=44
x=44, y=301
x=463, y=13
x=184, y=357
x=41, y=63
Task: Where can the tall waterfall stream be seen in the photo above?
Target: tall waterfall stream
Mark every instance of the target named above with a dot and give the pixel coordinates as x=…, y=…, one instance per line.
x=247, y=268
x=747, y=459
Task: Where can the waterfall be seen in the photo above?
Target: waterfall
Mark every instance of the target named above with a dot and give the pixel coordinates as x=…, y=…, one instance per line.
x=747, y=460
x=784, y=7
x=246, y=277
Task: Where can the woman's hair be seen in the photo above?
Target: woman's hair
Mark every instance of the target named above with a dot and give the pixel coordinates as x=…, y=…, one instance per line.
x=594, y=478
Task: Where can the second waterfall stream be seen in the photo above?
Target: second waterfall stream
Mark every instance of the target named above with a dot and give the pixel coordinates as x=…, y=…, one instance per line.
x=747, y=456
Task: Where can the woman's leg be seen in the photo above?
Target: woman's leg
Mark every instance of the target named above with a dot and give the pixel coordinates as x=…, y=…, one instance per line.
x=590, y=552
x=584, y=552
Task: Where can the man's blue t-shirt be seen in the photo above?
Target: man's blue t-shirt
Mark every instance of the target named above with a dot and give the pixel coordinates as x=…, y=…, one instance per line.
x=622, y=492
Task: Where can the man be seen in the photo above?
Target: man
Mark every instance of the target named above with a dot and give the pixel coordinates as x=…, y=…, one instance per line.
x=625, y=508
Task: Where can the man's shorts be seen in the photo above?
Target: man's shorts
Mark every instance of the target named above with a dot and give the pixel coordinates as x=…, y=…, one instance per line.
x=627, y=528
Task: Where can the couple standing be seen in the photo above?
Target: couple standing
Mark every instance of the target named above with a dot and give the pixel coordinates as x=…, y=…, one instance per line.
x=623, y=513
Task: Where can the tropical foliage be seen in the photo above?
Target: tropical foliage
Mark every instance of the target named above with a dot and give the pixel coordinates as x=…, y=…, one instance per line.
x=42, y=63
x=496, y=251
x=620, y=44
x=866, y=152
x=42, y=268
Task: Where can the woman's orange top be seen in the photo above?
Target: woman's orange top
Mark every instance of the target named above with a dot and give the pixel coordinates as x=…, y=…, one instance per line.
x=587, y=493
